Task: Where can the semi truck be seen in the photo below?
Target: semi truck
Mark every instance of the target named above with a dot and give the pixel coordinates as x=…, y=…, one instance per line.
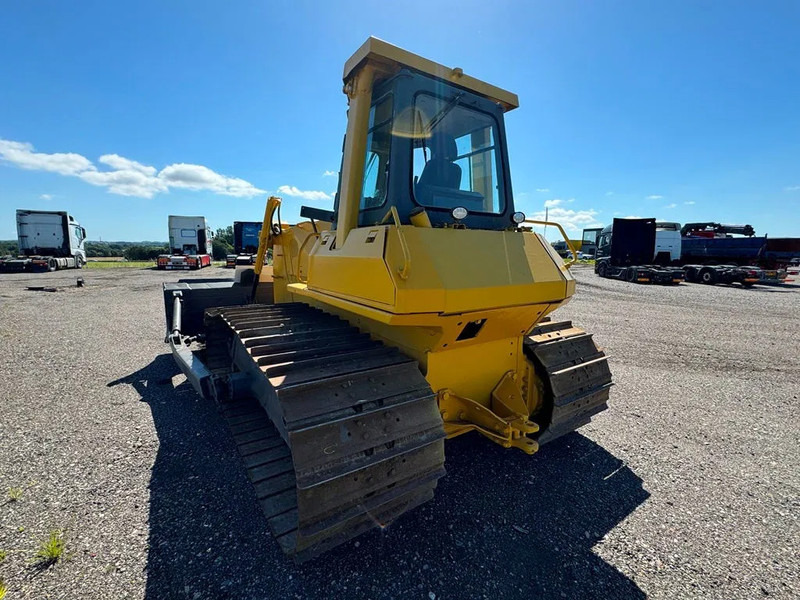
x=245, y=243
x=627, y=250
x=189, y=244
x=623, y=253
x=733, y=248
x=47, y=241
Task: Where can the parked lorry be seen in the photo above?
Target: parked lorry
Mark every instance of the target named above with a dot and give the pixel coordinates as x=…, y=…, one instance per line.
x=245, y=243
x=47, y=241
x=715, y=244
x=189, y=244
x=627, y=250
x=623, y=253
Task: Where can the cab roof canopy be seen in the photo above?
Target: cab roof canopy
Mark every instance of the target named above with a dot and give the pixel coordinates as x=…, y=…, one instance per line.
x=388, y=60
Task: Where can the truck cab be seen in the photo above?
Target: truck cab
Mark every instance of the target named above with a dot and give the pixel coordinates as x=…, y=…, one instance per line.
x=668, y=243
x=246, y=237
x=189, y=244
x=47, y=240
x=627, y=250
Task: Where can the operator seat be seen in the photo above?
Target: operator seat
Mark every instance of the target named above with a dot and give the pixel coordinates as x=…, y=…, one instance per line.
x=440, y=170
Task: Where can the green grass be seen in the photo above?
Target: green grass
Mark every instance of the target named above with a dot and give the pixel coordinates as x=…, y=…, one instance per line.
x=14, y=494
x=3, y=589
x=115, y=264
x=3, y=555
x=50, y=550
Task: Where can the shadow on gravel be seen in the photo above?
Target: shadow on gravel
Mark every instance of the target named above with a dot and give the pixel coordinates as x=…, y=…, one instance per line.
x=502, y=525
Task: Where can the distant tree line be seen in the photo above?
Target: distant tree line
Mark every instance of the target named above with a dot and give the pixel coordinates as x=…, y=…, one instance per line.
x=127, y=250
x=8, y=247
x=222, y=243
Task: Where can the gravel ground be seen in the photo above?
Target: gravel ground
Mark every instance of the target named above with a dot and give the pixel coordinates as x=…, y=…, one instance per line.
x=687, y=487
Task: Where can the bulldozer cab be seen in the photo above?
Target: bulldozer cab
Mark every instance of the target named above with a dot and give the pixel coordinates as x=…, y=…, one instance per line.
x=433, y=139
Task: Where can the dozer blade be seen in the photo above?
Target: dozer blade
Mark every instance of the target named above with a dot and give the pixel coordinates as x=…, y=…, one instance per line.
x=342, y=434
x=575, y=376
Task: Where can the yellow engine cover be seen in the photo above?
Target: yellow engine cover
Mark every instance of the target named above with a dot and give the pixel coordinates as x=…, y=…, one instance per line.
x=459, y=301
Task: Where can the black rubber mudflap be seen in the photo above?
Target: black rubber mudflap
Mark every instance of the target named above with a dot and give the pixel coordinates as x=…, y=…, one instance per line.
x=575, y=374
x=345, y=434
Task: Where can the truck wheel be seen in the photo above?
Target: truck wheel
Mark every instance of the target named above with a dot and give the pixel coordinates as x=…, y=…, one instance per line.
x=708, y=276
x=630, y=275
x=51, y=265
x=690, y=275
x=78, y=262
x=602, y=269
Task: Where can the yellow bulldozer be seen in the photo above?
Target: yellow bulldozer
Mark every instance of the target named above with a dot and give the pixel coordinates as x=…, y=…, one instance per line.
x=417, y=310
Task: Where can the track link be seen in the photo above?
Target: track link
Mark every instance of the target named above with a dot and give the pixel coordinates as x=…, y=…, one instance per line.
x=341, y=433
x=575, y=374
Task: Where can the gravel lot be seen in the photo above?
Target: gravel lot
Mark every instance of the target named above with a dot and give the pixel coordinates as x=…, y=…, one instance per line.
x=687, y=487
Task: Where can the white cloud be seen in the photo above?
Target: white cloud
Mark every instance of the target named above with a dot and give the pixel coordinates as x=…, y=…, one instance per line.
x=290, y=190
x=126, y=182
x=673, y=205
x=556, y=202
x=22, y=155
x=127, y=177
x=542, y=190
x=609, y=193
x=791, y=188
x=46, y=197
x=689, y=202
x=115, y=161
x=570, y=219
x=654, y=197
x=328, y=173
x=633, y=217
x=198, y=177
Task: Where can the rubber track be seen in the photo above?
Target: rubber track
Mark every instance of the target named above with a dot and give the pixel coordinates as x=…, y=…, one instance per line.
x=342, y=434
x=574, y=371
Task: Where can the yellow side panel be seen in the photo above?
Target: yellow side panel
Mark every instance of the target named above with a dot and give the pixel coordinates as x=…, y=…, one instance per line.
x=456, y=270
x=355, y=271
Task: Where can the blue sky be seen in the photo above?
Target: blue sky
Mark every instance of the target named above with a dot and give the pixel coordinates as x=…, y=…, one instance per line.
x=125, y=113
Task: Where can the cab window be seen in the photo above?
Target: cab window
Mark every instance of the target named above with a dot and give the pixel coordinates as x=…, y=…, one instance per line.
x=376, y=165
x=455, y=158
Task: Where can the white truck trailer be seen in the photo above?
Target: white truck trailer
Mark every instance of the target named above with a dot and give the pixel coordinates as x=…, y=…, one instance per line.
x=189, y=244
x=48, y=241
